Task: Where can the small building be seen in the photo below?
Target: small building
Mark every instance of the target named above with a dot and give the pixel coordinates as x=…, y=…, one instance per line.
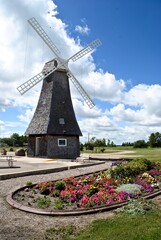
x=53, y=131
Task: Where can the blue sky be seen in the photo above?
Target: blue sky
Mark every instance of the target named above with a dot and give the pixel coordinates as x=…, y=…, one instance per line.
x=130, y=32
x=122, y=76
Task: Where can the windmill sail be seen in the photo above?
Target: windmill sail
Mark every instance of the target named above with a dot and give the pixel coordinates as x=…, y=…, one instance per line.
x=49, y=69
x=81, y=90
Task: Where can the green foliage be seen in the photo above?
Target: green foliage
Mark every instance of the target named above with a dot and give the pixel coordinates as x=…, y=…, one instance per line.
x=43, y=202
x=137, y=206
x=102, y=150
x=15, y=140
x=155, y=140
x=55, y=193
x=89, y=146
x=123, y=227
x=99, y=150
x=129, y=188
x=127, y=144
x=81, y=147
x=29, y=183
x=110, y=143
x=92, y=190
x=6, y=141
x=58, y=204
x=60, y=233
x=60, y=185
x=98, y=143
x=140, y=144
x=131, y=168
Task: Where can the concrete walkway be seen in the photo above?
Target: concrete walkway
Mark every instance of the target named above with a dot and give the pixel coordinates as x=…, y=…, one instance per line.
x=25, y=166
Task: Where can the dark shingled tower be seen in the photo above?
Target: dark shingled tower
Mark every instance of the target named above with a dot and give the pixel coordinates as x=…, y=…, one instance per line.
x=53, y=130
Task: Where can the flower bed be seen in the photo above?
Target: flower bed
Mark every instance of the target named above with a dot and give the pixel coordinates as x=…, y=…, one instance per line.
x=97, y=190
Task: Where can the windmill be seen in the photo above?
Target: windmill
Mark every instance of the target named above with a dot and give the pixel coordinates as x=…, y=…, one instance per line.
x=53, y=130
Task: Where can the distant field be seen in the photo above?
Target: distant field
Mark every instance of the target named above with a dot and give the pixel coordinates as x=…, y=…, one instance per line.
x=149, y=153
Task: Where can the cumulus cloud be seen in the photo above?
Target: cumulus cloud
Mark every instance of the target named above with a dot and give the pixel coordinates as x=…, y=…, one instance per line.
x=146, y=96
x=26, y=117
x=126, y=115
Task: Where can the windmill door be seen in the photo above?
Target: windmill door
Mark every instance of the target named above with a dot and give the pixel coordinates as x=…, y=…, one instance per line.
x=37, y=146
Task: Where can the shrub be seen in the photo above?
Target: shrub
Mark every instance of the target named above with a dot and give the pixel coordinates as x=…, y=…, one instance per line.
x=28, y=183
x=131, y=168
x=136, y=207
x=102, y=150
x=129, y=188
x=58, y=204
x=60, y=185
x=43, y=202
x=140, y=144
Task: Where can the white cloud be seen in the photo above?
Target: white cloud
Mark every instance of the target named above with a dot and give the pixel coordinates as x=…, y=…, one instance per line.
x=146, y=96
x=132, y=114
x=84, y=29
x=27, y=116
x=105, y=86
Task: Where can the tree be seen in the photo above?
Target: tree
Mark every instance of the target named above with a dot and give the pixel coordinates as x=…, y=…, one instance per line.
x=100, y=142
x=15, y=140
x=81, y=147
x=95, y=143
x=6, y=141
x=155, y=140
x=140, y=144
x=127, y=144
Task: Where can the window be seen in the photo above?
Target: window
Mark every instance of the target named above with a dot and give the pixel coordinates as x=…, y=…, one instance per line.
x=62, y=142
x=61, y=121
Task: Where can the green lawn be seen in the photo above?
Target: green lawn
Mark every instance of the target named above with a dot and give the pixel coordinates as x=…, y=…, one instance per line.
x=149, y=153
x=123, y=227
x=120, y=227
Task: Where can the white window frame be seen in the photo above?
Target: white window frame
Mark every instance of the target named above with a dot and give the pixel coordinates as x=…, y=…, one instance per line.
x=62, y=145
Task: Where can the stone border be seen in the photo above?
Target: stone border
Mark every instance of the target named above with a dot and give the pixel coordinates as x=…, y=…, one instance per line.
x=97, y=209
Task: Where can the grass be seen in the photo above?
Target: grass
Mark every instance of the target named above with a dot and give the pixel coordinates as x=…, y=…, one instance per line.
x=149, y=153
x=123, y=227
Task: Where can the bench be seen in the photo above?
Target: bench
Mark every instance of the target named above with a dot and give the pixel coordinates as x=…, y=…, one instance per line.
x=8, y=158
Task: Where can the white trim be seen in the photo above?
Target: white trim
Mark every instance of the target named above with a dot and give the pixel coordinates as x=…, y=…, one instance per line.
x=62, y=145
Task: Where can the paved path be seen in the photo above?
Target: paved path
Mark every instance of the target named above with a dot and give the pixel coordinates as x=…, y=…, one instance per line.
x=29, y=166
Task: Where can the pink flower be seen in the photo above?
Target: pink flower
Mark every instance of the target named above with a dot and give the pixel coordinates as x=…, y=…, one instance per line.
x=84, y=200
x=109, y=201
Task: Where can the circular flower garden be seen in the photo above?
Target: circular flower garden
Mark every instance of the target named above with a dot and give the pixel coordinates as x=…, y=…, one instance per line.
x=98, y=191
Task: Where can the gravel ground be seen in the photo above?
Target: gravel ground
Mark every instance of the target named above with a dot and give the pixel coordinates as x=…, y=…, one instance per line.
x=19, y=225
